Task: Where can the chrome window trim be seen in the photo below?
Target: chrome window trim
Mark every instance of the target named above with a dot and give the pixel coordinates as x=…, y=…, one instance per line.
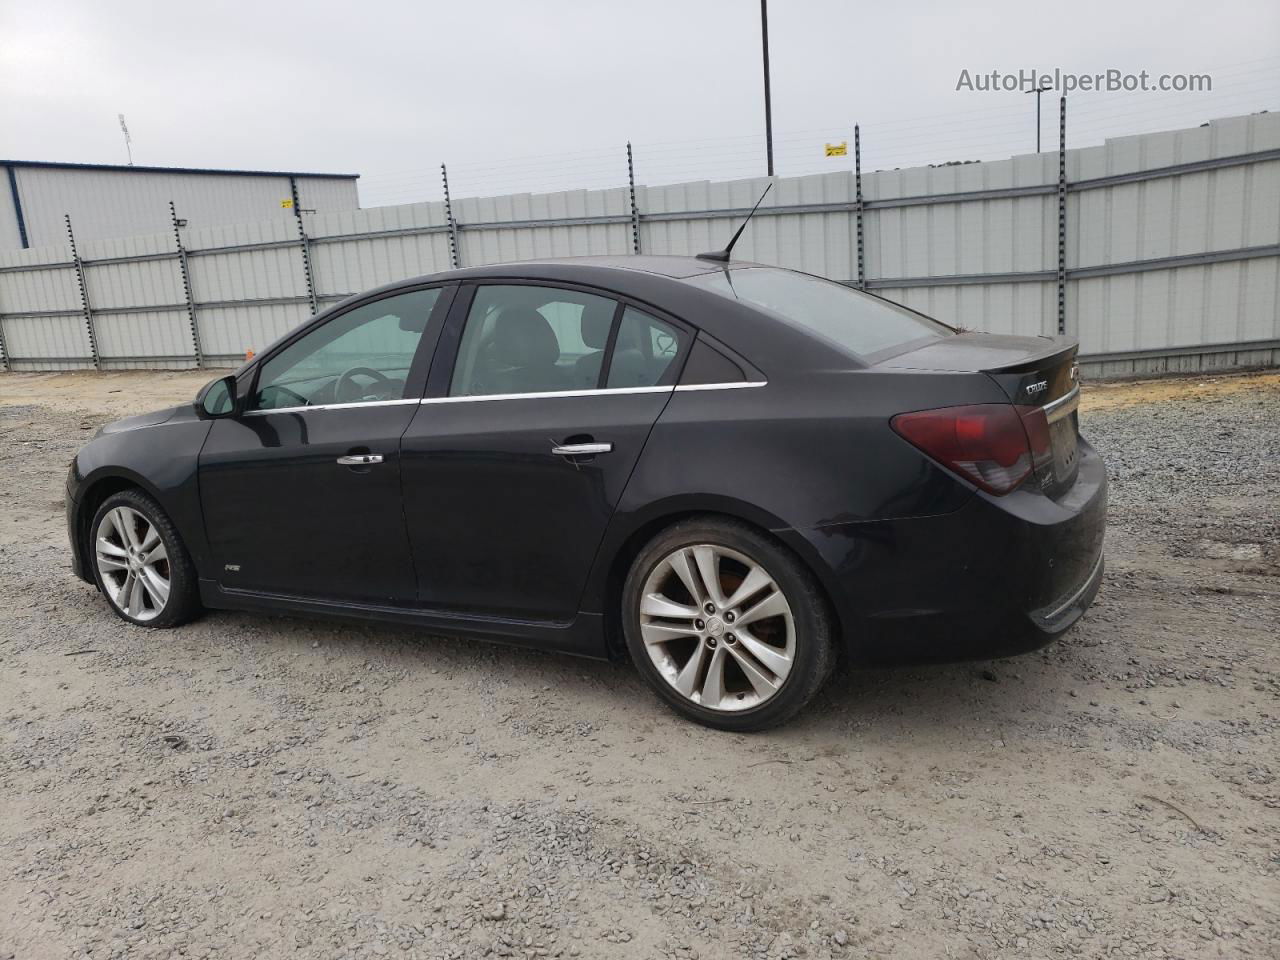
x=549, y=394
x=329, y=406
x=1063, y=406
x=736, y=385
x=606, y=391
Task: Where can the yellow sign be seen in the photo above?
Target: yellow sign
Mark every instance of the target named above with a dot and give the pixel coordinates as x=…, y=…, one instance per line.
x=287, y=204
x=838, y=149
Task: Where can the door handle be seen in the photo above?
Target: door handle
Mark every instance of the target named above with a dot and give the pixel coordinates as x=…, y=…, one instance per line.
x=582, y=449
x=360, y=459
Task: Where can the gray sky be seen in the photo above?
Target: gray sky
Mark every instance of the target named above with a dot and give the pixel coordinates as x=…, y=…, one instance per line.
x=543, y=95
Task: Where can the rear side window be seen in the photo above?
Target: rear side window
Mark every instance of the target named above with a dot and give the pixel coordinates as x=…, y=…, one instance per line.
x=708, y=365
x=528, y=338
x=858, y=323
x=646, y=353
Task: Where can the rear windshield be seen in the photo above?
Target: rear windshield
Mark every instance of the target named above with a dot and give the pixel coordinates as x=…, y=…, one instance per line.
x=858, y=323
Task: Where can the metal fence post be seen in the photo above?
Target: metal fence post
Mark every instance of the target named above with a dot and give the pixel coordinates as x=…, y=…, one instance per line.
x=857, y=196
x=1062, y=215
x=635, y=212
x=306, y=246
x=4, y=347
x=186, y=287
x=455, y=255
x=84, y=296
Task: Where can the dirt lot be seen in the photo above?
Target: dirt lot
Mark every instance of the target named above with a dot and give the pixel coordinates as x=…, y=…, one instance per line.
x=253, y=787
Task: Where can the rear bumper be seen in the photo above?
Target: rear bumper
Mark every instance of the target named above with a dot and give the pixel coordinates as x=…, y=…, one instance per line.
x=999, y=576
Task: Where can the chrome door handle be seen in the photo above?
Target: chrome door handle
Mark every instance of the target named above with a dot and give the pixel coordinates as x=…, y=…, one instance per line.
x=582, y=449
x=360, y=459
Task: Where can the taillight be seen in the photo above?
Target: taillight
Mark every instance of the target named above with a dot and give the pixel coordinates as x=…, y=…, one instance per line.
x=994, y=445
x=1037, y=427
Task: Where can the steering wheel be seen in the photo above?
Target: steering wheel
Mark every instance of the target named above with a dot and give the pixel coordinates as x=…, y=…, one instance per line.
x=345, y=382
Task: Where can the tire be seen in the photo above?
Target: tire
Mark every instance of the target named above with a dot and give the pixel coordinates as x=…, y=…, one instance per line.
x=128, y=533
x=756, y=675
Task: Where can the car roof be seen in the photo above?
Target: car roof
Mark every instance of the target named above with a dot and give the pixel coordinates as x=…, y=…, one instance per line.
x=677, y=268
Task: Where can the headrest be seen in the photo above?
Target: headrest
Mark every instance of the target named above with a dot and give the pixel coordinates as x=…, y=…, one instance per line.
x=522, y=337
x=415, y=309
x=597, y=318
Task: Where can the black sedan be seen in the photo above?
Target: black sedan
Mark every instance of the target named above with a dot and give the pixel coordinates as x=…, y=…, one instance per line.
x=735, y=473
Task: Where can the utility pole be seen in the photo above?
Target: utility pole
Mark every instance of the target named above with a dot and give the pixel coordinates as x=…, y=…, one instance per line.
x=1044, y=85
x=768, y=102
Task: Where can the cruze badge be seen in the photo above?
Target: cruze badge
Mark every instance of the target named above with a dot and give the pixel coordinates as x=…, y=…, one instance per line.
x=1036, y=388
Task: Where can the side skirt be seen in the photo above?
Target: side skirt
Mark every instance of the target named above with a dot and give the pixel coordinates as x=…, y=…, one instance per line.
x=582, y=637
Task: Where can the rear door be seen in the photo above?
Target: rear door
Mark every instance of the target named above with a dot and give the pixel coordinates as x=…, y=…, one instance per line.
x=540, y=402
x=301, y=492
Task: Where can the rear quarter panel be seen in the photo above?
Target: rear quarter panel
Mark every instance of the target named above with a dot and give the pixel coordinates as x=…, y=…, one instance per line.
x=790, y=456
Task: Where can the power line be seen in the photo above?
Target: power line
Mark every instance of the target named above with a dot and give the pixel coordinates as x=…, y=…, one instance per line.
x=986, y=133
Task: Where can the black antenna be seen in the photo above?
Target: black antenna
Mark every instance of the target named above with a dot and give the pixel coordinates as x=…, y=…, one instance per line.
x=722, y=256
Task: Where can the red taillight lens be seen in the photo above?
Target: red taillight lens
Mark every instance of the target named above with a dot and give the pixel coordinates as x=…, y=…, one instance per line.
x=989, y=444
x=1037, y=427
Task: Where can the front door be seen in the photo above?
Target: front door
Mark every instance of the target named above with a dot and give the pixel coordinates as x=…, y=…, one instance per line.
x=512, y=472
x=301, y=492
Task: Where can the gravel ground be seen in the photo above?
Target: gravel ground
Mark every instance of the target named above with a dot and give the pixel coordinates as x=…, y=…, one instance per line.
x=263, y=787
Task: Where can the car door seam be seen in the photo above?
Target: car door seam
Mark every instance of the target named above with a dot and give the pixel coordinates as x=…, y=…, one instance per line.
x=604, y=534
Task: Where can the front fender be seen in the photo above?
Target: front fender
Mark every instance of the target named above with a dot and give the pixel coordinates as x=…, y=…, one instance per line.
x=161, y=459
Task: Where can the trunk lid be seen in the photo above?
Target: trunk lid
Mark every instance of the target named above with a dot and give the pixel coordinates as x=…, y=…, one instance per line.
x=1035, y=372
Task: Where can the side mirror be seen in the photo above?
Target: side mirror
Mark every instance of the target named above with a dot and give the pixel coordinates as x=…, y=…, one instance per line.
x=218, y=398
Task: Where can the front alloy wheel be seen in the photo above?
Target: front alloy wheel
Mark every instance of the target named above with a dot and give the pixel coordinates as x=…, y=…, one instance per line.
x=133, y=563
x=727, y=625
x=140, y=562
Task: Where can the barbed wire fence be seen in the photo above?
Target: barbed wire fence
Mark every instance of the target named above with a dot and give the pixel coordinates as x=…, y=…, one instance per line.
x=319, y=274
x=894, y=142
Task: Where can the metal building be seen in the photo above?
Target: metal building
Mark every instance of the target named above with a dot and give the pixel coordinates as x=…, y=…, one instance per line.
x=107, y=201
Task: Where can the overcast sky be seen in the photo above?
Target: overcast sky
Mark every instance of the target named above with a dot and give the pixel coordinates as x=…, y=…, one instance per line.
x=544, y=94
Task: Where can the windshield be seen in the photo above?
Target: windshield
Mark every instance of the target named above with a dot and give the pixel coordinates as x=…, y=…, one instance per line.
x=854, y=321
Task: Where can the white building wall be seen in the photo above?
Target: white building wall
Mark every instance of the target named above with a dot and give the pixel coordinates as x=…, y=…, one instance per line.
x=107, y=203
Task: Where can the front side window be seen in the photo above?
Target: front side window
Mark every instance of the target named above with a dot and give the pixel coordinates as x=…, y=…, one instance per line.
x=854, y=321
x=646, y=351
x=360, y=356
x=522, y=338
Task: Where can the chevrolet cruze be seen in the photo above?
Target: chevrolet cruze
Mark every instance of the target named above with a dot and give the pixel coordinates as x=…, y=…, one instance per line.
x=734, y=473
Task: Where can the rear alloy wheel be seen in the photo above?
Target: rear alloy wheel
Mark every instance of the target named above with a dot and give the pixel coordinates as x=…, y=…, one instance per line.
x=727, y=626
x=140, y=562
